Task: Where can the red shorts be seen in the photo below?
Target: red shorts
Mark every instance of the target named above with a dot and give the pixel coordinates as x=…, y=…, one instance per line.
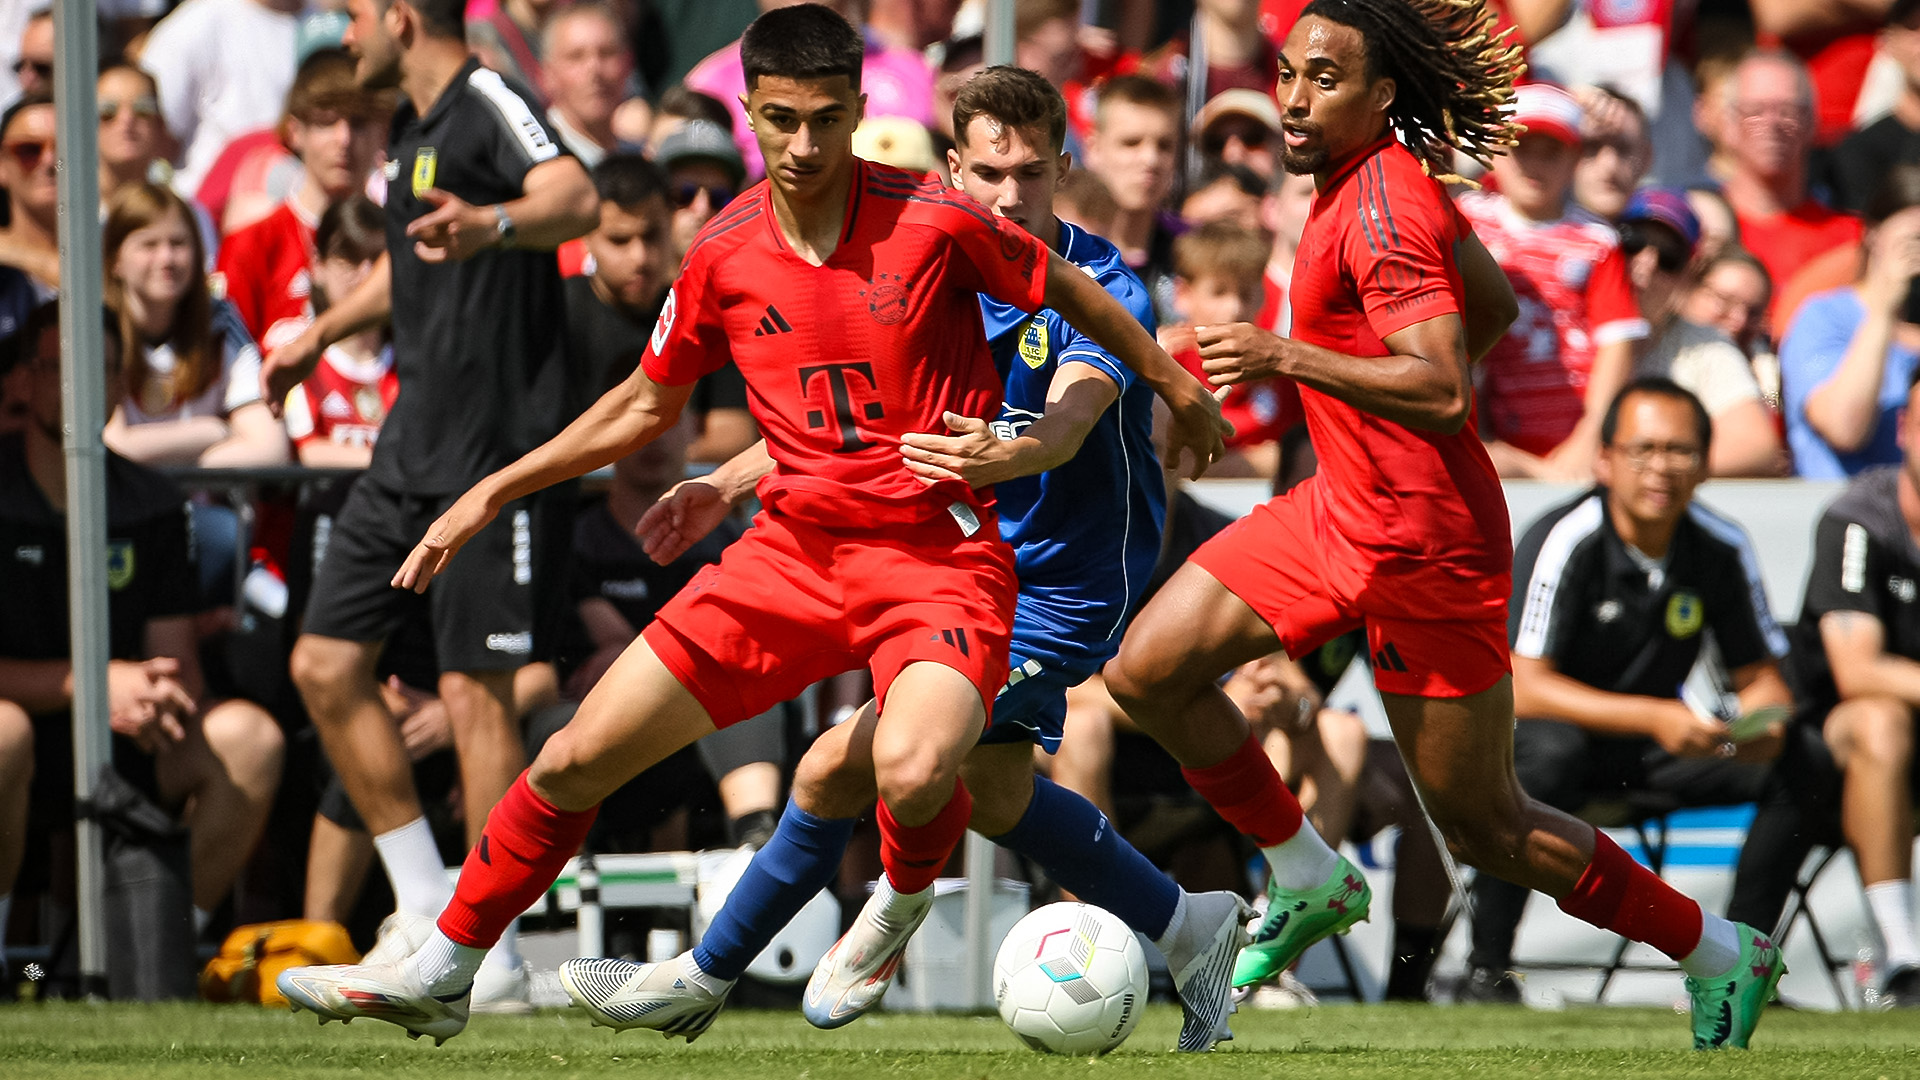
x=1276, y=561
x=791, y=603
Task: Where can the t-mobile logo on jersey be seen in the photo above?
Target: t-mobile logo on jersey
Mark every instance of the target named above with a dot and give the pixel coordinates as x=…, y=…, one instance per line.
x=839, y=394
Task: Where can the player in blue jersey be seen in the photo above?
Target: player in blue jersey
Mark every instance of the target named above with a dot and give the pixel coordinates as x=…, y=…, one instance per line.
x=1081, y=500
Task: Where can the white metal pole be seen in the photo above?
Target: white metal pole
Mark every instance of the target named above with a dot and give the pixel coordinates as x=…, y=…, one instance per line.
x=84, y=409
x=997, y=48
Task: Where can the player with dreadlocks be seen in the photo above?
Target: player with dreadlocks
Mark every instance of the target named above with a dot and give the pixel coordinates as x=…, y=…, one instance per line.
x=1404, y=530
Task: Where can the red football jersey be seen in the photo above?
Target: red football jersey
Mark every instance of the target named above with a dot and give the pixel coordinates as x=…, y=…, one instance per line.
x=265, y=266
x=843, y=359
x=1571, y=281
x=344, y=401
x=1376, y=258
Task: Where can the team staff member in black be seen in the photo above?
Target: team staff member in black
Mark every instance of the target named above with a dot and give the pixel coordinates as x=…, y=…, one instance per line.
x=1857, y=668
x=1617, y=593
x=480, y=193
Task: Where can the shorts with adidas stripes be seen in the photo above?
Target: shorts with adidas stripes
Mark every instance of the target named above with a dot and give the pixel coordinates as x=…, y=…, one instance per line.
x=1275, y=561
x=792, y=602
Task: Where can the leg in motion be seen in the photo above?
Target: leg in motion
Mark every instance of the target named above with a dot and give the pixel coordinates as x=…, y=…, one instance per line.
x=1872, y=743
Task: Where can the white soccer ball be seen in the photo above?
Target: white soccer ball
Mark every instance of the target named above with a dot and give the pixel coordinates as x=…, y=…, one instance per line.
x=1070, y=979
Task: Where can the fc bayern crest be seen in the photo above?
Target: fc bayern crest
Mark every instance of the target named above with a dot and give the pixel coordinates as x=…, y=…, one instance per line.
x=886, y=299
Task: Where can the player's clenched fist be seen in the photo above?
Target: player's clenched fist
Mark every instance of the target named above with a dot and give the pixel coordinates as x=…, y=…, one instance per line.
x=461, y=523
x=1237, y=353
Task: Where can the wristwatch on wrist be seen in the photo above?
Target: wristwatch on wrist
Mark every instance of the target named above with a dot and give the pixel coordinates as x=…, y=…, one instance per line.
x=502, y=226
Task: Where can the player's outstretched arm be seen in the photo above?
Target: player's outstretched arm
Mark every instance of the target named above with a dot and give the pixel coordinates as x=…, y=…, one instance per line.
x=976, y=454
x=1425, y=384
x=693, y=508
x=368, y=305
x=1197, y=427
x=628, y=417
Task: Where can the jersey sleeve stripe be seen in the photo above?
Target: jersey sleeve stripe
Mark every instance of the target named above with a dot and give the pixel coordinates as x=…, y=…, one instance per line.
x=1385, y=208
x=1550, y=570
x=953, y=204
x=525, y=127
x=1732, y=535
x=1365, y=184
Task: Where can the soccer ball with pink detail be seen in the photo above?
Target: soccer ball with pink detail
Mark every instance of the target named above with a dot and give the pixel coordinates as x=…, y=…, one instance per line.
x=1071, y=979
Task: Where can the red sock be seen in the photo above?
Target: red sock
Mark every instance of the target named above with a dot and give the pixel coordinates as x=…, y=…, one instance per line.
x=526, y=842
x=1620, y=895
x=915, y=854
x=1246, y=790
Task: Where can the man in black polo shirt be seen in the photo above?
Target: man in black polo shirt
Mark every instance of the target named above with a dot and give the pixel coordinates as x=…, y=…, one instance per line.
x=479, y=194
x=1857, y=676
x=1617, y=596
x=221, y=763
x=612, y=309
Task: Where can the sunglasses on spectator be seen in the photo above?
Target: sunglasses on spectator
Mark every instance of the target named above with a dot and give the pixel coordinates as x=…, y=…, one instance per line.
x=1251, y=133
x=145, y=107
x=29, y=152
x=1671, y=251
x=42, y=68
x=686, y=191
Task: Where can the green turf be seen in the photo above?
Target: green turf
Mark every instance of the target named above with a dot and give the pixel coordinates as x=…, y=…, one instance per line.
x=195, y=1042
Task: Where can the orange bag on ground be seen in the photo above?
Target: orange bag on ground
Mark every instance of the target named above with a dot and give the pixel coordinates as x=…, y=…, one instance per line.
x=253, y=956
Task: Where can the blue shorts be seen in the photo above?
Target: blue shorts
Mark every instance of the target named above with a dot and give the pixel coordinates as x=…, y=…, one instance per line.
x=1032, y=707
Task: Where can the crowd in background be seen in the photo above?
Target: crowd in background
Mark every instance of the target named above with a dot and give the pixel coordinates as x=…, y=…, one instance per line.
x=1722, y=193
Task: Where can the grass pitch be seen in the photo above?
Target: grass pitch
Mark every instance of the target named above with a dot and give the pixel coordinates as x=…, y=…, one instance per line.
x=202, y=1042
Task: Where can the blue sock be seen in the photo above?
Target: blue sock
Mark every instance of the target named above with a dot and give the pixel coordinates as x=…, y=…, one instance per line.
x=1073, y=841
x=796, y=863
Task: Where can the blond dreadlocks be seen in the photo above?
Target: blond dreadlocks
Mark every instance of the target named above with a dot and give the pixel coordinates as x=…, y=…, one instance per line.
x=1453, y=71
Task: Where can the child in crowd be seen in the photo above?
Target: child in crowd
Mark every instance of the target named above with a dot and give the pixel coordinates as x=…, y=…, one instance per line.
x=334, y=416
x=1220, y=277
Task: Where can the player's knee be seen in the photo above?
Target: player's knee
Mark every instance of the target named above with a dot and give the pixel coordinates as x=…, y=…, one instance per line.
x=1132, y=678
x=16, y=743
x=247, y=742
x=324, y=671
x=827, y=785
x=1487, y=842
x=914, y=783
x=1877, y=731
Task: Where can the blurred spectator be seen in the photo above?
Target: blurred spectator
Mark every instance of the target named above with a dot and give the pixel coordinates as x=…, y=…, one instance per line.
x=32, y=62
x=1546, y=384
x=192, y=383
x=224, y=67
x=1835, y=41
x=1731, y=293
x=1615, y=153
x=893, y=140
x=337, y=131
x=897, y=82
x=214, y=763
x=1850, y=353
x=30, y=242
x=1047, y=40
x=1658, y=233
x=1134, y=149
x=704, y=173
x=1240, y=127
x=1284, y=214
x=334, y=417
x=1220, y=271
x=1225, y=193
x=958, y=59
x=588, y=71
x=1853, y=169
x=1770, y=137
x=133, y=136
x=1601, y=717
x=910, y=24
x=1719, y=229
x=509, y=37
x=1637, y=49
x=1085, y=201
x=1855, y=649
x=1236, y=53
x=680, y=105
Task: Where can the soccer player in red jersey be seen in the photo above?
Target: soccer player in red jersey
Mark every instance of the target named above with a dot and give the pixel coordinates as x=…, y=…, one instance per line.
x=1404, y=529
x=845, y=293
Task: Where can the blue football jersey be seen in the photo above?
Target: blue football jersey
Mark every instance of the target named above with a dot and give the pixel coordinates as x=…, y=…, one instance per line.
x=1085, y=535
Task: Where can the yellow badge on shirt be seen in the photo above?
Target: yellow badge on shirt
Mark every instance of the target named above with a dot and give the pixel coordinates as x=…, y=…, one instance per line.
x=425, y=163
x=119, y=564
x=1033, y=343
x=1684, y=615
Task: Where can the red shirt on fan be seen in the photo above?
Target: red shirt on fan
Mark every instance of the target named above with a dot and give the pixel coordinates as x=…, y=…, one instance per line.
x=1376, y=258
x=1786, y=242
x=266, y=268
x=344, y=401
x=1571, y=280
x=842, y=359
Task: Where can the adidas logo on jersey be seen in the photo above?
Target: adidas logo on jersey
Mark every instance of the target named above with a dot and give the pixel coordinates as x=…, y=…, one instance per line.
x=773, y=323
x=335, y=406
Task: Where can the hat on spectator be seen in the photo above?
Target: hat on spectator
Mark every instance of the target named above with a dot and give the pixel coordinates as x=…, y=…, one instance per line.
x=1546, y=109
x=895, y=141
x=701, y=140
x=1666, y=206
x=1239, y=101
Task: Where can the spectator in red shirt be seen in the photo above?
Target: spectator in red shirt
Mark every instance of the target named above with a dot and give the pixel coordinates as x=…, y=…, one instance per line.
x=337, y=130
x=1545, y=386
x=1769, y=135
x=508, y=37
x=1219, y=271
x=334, y=417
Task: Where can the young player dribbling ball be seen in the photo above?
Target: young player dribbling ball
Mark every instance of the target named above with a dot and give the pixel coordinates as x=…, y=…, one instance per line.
x=873, y=273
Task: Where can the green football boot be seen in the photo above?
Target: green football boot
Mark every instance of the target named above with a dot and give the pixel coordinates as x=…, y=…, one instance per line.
x=1727, y=1009
x=1296, y=920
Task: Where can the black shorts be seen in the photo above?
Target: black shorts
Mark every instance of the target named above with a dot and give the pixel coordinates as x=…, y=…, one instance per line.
x=483, y=608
